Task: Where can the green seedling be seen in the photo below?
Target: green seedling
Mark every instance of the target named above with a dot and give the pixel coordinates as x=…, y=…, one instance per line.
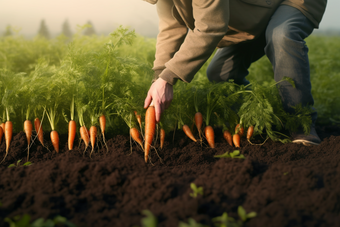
x=285, y=173
x=196, y=190
x=17, y=164
x=234, y=154
x=225, y=221
x=24, y=221
x=191, y=223
x=150, y=220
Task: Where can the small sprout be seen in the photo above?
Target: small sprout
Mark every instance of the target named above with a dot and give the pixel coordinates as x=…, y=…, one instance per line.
x=243, y=215
x=17, y=164
x=150, y=220
x=234, y=154
x=196, y=190
x=191, y=223
x=285, y=173
x=224, y=220
x=19, y=221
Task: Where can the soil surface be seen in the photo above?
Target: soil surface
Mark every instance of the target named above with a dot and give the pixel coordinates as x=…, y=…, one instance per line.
x=285, y=184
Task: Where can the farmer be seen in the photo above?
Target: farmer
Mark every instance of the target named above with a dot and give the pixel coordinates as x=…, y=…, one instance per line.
x=243, y=31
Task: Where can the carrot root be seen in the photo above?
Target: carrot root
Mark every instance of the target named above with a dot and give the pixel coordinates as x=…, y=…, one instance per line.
x=150, y=126
x=210, y=136
x=188, y=132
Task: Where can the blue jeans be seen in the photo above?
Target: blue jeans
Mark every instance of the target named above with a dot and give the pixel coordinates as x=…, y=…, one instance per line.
x=283, y=43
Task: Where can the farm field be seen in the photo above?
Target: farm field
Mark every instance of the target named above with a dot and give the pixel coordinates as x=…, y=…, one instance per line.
x=111, y=185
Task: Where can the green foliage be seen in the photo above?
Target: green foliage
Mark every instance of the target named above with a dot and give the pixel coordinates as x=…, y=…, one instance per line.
x=234, y=154
x=24, y=221
x=226, y=221
x=150, y=220
x=191, y=223
x=196, y=190
x=18, y=162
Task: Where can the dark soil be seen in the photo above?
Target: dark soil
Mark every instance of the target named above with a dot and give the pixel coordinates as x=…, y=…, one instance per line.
x=286, y=184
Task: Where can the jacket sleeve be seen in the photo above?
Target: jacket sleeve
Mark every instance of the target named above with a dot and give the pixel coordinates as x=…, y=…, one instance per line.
x=170, y=37
x=211, y=24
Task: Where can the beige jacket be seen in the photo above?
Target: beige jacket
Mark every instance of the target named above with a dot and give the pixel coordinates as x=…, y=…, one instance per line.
x=190, y=30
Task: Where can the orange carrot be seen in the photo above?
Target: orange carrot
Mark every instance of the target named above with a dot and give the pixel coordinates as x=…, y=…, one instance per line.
x=198, y=121
x=55, y=140
x=227, y=136
x=28, y=131
x=93, y=135
x=239, y=130
x=2, y=125
x=72, y=127
x=162, y=136
x=84, y=134
x=102, y=123
x=136, y=136
x=39, y=130
x=150, y=127
x=250, y=132
x=139, y=119
x=188, y=132
x=236, y=139
x=8, y=136
x=210, y=136
x=1, y=134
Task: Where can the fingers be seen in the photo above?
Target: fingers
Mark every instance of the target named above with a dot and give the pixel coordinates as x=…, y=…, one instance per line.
x=147, y=101
x=158, y=111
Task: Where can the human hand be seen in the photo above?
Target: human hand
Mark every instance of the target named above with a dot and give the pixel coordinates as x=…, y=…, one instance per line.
x=161, y=95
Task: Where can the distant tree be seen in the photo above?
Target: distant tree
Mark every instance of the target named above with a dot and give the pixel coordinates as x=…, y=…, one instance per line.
x=89, y=30
x=66, y=30
x=8, y=31
x=43, y=30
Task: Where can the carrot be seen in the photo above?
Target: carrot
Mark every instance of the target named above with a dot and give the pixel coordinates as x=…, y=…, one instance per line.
x=39, y=130
x=150, y=127
x=250, y=132
x=198, y=121
x=55, y=140
x=188, y=132
x=102, y=124
x=93, y=135
x=210, y=136
x=72, y=127
x=136, y=136
x=8, y=136
x=139, y=119
x=84, y=134
x=239, y=130
x=227, y=136
x=162, y=138
x=2, y=125
x=236, y=139
x=1, y=134
x=28, y=131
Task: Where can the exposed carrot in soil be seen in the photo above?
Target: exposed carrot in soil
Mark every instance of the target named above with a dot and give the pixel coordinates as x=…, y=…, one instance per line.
x=162, y=136
x=84, y=134
x=236, y=139
x=2, y=125
x=139, y=119
x=55, y=140
x=227, y=136
x=250, y=132
x=93, y=135
x=102, y=125
x=187, y=131
x=210, y=136
x=150, y=127
x=8, y=136
x=136, y=136
x=38, y=128
x=28, y=131
x=199, y=122
x=72, y=128
x=239, y=130
x=1, y=134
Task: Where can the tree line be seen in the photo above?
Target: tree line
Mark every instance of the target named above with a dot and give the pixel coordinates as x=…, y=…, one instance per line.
x=43, y=30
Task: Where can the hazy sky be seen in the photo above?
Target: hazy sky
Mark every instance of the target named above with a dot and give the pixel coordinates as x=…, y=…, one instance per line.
x=105, y=15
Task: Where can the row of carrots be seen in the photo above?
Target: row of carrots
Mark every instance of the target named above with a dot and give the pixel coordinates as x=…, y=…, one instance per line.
x=89, y=136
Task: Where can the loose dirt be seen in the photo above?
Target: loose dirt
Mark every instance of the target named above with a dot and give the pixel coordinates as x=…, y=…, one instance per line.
x=286, y=184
